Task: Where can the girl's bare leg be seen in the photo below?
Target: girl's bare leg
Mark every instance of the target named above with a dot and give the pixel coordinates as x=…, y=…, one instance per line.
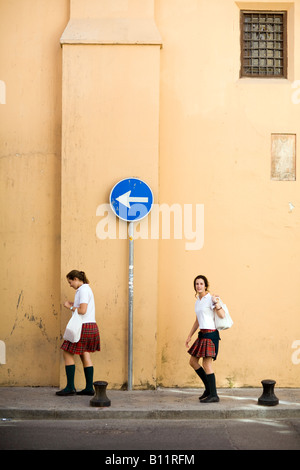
x=68, y=358
x=86, y=359
x=207, y=365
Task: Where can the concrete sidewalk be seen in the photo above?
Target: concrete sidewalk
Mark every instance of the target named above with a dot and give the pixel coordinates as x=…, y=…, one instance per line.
x=163, y=403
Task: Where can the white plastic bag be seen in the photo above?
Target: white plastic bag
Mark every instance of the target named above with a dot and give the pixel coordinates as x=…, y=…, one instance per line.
x=73, y=328
x=223, y=323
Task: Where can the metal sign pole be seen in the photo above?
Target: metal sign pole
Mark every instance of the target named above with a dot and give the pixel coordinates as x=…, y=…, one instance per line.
x=131, y=200
x=130, y=305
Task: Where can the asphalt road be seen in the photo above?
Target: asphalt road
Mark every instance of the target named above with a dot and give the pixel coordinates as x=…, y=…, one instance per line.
x=176, y=435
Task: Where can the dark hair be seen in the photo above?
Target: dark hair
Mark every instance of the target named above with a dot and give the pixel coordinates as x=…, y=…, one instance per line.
x=79, y=274
x=205, y=282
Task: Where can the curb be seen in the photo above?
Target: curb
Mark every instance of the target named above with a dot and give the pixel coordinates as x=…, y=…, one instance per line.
x=102, y=413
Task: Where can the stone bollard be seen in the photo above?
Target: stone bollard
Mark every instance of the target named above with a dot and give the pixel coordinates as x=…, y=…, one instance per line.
x=100, y=398
x=268, y=397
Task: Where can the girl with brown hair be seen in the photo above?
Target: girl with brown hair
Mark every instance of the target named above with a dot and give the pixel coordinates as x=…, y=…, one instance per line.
x=90, y=339
x=207, y=344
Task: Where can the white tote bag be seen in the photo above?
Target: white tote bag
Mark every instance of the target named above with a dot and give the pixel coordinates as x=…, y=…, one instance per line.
x=223, y=323
x=73, y=328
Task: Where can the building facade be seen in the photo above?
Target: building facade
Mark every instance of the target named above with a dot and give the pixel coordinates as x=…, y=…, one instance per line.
x=201, y=100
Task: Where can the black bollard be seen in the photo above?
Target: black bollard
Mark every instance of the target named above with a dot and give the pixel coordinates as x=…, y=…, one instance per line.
x=268, y=398
x=100, y=398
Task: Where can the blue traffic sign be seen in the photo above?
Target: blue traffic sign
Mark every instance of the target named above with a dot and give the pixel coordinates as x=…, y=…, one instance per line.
x=131, y=199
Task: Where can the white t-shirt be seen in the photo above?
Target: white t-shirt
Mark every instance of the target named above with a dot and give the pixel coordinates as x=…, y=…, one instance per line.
x=84, y=295
x=204, y=312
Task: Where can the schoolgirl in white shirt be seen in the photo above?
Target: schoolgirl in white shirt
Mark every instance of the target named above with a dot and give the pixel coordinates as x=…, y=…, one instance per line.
x=90, y=338
x=207, y=344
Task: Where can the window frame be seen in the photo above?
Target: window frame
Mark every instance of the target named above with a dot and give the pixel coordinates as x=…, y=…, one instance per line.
x=284, y=58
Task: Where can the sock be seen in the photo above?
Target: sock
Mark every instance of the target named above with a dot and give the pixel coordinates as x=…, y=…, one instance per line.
x=89, y=375
x=202, y=374
x=212, y=384
x=70, y=372
x=213, y=396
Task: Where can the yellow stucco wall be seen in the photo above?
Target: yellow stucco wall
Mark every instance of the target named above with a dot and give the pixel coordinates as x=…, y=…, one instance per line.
x=91, y=98
x=217, y=128
x=104, y=134
x=30, y=145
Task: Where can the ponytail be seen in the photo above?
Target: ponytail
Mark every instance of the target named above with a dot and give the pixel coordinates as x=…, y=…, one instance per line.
x=79, y=274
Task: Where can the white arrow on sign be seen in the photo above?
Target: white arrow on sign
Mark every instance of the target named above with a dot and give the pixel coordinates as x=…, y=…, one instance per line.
x=125, y=199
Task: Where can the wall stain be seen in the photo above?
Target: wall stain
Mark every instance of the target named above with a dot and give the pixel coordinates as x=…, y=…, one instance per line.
x=19, y=299
x=19, y=303
x=39, y=323
x=29, y=316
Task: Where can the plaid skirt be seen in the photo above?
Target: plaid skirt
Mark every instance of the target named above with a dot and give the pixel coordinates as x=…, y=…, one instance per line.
x=205, y=347
x=89, y=340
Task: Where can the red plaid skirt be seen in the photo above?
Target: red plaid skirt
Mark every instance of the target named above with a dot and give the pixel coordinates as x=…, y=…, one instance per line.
x=89, y=340
x=203, y=347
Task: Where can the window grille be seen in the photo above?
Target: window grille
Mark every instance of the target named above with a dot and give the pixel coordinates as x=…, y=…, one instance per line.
x=264, y=44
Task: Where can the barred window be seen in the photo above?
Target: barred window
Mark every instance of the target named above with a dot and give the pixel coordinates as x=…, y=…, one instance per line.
x=264, y=44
